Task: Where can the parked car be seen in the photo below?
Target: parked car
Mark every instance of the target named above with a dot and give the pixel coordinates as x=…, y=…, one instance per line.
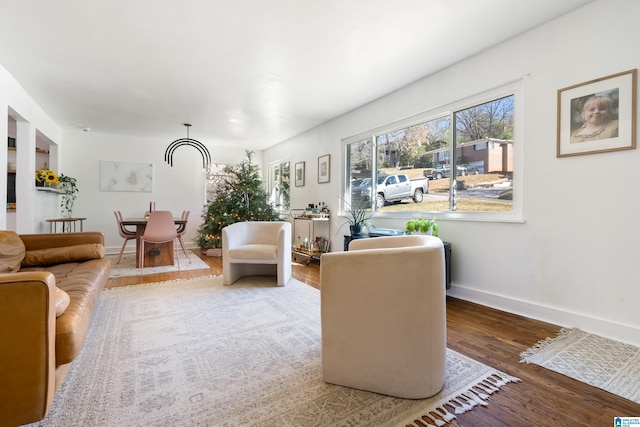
x=390, y=188
x=444, y=171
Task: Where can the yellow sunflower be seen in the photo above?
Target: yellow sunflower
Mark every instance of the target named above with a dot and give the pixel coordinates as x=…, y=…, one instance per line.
x=47, y=176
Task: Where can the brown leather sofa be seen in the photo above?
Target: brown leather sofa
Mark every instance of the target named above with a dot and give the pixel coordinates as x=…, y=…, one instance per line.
x=47, y=302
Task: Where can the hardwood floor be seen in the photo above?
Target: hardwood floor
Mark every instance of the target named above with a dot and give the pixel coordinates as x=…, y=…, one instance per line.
x=543, y=398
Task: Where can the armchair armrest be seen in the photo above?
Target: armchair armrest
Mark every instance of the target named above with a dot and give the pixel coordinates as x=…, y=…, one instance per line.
x=27, y=353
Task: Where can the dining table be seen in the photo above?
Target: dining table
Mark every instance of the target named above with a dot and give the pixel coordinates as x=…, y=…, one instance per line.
x=155, y=254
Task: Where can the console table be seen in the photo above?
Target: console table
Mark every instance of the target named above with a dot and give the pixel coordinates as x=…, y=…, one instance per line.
x=447, y=253
x=66, y=224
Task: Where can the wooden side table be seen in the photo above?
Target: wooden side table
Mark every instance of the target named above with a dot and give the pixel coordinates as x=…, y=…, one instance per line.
x=67, y=224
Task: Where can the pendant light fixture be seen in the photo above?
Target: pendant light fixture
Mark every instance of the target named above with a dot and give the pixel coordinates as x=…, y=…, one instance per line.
x=206, y=157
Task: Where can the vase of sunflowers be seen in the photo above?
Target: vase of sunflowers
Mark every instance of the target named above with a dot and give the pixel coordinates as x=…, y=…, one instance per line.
x=47, y=178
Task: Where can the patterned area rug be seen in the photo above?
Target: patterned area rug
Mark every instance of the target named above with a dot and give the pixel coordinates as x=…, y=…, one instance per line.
x=194, y=352
x=127, y=265
x=601, y=362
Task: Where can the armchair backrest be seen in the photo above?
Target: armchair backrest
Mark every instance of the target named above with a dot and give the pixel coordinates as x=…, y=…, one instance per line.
x=404, y=241
x=257, y=232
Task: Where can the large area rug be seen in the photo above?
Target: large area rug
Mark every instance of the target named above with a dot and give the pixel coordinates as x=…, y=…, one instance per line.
x=601, y=362
x=194, y=352
x=127, y=265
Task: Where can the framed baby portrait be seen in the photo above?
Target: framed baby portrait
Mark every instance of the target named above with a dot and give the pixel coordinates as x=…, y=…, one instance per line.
x=598, y=116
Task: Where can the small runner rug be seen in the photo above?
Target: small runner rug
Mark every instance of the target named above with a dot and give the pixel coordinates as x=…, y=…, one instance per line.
x=194, y=352
x=601, y=362
x=127, y=265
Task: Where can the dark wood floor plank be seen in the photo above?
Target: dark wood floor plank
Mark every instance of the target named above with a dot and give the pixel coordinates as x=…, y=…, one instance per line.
x=496, y=338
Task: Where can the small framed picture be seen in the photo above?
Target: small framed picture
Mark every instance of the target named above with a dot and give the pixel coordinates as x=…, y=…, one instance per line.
x=598, y=116
x=300, y=174
x=324, y=166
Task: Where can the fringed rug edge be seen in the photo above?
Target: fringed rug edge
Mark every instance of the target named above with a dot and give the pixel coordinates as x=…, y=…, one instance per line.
x=461, y=401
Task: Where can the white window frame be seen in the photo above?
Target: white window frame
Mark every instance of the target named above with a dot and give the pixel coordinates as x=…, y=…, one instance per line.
x=515, y=215
x=271, y=184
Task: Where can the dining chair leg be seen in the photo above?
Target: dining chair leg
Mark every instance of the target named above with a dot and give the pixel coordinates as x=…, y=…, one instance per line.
x=184, y=249
x=141, y=257
x=122, y=251
x=176, y=255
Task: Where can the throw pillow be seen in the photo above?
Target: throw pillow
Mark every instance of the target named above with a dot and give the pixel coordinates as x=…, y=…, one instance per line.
x=11, y=251
x=52, y=256
x=62, y=301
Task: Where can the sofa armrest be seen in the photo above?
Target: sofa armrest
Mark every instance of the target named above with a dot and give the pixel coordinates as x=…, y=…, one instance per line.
x=27, y=354
x=56, y=240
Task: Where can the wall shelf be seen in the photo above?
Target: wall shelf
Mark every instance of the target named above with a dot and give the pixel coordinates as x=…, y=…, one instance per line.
x=50, y=190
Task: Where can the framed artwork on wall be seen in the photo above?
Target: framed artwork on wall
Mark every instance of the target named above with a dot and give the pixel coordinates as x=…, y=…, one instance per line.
x=125, y=176
x=300, y=174
x=324, y=168
x=598, y=116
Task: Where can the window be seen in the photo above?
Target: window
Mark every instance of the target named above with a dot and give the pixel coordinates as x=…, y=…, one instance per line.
x=279, y=186
x=474, y=139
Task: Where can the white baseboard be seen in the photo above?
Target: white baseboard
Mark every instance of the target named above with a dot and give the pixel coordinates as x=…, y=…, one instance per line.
x=554, y=315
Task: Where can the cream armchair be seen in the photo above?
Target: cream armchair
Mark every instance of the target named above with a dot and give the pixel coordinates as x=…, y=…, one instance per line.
x=256, y=248
x=383, y=316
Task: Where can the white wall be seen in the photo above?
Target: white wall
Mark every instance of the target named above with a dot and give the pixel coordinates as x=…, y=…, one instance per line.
x=33, y=207
x=176, y=189
x=573, y=262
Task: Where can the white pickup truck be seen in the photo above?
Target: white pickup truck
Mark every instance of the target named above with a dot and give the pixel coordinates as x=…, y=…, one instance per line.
x=390, y=188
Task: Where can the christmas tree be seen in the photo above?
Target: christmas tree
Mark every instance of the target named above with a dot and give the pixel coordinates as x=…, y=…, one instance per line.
x=239, y=196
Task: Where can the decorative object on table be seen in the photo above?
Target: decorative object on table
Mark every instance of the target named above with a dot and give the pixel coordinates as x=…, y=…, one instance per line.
x=324, y=168
x=422, y=226
x=190, y=142
x=358, y=217
x=598, y=116
x=205, y=313
x=240, y=196
x=69, y=187
x=47, y=178
x=300, y=174
x=126, y=176
x=598, y=361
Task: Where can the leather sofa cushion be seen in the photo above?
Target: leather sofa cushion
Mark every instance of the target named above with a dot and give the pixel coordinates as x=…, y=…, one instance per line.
x=12, y=251
x=62, y=301
x=52, y=256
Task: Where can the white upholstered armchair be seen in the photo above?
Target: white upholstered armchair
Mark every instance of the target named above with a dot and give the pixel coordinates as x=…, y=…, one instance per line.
x=383, y=316
x=256, y=248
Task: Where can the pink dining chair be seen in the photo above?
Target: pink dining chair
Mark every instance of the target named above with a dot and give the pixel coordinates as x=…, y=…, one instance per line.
x=160, y=229
x=182, y=228
x=125, y=233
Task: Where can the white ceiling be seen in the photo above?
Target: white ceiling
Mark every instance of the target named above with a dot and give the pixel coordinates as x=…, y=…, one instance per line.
x=248, y=73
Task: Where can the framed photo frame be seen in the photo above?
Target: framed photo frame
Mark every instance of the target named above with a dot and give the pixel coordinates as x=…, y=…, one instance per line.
x=598, y=116
x=324, y=167
x=299, y=171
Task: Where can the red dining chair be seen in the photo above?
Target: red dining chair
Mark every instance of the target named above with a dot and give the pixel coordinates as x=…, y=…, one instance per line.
x=182, y=228
x=125, y=233
x=160, y=229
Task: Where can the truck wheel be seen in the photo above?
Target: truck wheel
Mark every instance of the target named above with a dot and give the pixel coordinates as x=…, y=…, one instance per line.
x=379, y=201
x=418, y=197
x=438, y=175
